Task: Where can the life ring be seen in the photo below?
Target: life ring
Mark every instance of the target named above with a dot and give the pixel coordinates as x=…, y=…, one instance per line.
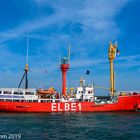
x=136, y=107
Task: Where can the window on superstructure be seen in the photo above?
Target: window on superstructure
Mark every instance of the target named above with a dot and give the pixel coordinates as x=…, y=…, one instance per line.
x=89, y=92
x=16, y=100
x=0, y=92
x=18, y=93
x=35, y=100
x=29, y=100
x=8, y=100
x=7, y=92
x=29, y=93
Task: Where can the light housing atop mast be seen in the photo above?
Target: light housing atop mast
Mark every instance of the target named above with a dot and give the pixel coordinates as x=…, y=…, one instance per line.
x=64, y=66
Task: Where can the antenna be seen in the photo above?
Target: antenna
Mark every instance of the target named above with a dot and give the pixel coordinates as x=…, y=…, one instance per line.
x=59, y=60
x=69, y=53
x=116, y=43
x=25, y=75
x=27, y=50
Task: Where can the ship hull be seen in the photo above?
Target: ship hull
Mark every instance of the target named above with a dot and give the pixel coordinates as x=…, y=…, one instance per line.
x=125, y=103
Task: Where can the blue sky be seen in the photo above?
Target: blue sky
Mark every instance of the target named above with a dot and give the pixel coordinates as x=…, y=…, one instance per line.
x=88, y=25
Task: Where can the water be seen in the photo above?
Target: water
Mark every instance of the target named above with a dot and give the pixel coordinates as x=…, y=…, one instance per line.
x=71, y=126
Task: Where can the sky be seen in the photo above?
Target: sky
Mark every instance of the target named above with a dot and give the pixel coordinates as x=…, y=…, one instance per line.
x=87, y=25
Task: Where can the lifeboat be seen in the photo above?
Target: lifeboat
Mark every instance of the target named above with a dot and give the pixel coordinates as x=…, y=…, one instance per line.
x=46, y=91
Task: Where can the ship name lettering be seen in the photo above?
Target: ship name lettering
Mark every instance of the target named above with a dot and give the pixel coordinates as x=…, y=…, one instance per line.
x=73, y=106
x=59, y=108
x=53, y=107
x=79, y=106
x=65, y=107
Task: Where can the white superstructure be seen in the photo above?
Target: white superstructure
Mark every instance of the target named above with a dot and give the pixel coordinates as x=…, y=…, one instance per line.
x=84, y=92
x=18, y=93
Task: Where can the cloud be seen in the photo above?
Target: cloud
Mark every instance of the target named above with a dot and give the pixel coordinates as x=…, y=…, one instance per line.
x=129, y=61
x=86, y=24
x=128, y=58
x=96, y=15
x=96, y=18
x=121, y=62
x=28, y=27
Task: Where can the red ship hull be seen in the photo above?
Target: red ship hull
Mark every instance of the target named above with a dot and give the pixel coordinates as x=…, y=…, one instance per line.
x=125, y=103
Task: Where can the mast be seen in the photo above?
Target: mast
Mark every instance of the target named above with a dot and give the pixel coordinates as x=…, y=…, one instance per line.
x=69, y=53
x=64, y=66
x=112, y=55
x=25, y=75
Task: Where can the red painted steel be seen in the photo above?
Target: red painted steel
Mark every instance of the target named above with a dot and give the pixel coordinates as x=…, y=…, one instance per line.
x=64, y=68
x=125, y=103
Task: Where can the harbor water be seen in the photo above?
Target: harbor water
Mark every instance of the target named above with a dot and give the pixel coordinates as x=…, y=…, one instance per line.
x=70, y=126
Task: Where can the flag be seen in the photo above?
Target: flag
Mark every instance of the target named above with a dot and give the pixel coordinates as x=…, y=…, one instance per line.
x=87, y=72
x=118, y=51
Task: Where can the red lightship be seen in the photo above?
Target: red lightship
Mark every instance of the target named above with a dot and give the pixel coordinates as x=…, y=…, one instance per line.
x=81, y=100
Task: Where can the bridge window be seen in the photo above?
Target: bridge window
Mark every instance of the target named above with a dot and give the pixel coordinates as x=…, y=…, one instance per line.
x=7, y=92
x=0, y=92
x=89, y=92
